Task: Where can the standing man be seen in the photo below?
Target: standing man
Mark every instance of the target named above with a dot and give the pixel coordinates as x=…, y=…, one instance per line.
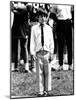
x=64, y=32
x=20, y=31
x=42, y=47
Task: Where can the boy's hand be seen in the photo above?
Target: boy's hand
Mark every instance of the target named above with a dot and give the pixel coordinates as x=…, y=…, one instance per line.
x=51, y=56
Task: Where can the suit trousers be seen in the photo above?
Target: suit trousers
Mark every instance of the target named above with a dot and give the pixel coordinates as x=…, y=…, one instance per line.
x=64, y=37
x=43, y=72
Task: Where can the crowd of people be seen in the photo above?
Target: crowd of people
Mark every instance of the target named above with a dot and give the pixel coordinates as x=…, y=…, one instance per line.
x=59, y=17
x=38, y=32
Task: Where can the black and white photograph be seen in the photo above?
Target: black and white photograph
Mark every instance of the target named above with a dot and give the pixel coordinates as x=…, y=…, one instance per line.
x=41, y=49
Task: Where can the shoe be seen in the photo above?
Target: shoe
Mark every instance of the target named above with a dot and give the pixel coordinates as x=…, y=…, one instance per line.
x=34, y=70
x=53, y=69
x=60, y=68
x=29, y=71
x=15, y=70
x=40, y=95
x=45, y=93
x=70, y=67
x=25, y=71
x=48, y=94
x=21, y=62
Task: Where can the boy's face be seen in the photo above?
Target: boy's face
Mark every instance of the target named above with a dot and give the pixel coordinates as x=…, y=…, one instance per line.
x=45, y=19
x=42, y=19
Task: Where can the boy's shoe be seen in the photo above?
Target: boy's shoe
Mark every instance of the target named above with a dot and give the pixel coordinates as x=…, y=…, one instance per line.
x=41, y=94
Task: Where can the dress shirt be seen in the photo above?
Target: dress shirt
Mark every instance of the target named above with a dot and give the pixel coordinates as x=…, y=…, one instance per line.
x=65, y=12
x=35, y=43
x=51, y=22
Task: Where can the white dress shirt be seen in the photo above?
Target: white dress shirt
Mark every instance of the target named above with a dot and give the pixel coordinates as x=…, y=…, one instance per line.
x=51, y=21
x=65, y=12
x=35, y=43
x=12, y=18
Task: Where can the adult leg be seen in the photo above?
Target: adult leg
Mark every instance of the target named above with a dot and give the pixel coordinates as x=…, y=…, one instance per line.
x=69, y=42
x=60, y=41
x=60, y=50
x=23, y=52
x=54, y=36
x=15, y=52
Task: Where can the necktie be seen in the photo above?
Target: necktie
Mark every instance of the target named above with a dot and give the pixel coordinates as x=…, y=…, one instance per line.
x=42, y=35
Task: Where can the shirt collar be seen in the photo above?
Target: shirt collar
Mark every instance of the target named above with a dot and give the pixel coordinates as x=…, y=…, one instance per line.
x=44, y=24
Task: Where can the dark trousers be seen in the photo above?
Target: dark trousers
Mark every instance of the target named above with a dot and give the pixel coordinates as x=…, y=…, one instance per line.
x=55, y=37
x=14, y=50
x=23, y=54
x=64, y=37
x=18, y=32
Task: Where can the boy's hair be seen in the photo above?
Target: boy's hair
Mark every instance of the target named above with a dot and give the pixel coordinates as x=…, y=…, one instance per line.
x=42, y=12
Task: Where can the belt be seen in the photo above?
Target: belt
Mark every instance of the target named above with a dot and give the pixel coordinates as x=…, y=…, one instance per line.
x=42, y=52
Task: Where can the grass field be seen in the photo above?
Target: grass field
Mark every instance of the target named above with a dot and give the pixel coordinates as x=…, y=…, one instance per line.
x=25, y=85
